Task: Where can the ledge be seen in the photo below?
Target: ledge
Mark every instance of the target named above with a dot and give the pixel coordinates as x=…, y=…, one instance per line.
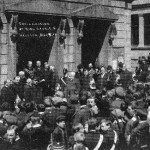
x=140, y=48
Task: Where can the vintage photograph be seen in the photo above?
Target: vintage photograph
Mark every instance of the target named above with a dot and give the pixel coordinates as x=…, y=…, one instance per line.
x=74, y=74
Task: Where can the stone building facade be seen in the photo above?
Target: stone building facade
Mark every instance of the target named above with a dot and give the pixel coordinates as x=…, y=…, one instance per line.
x=96, y=19
x=140, y=41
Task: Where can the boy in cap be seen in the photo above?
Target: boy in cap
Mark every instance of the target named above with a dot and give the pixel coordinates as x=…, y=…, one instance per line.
x=59, y=134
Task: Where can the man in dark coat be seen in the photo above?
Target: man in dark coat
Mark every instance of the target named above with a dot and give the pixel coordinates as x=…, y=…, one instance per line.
x=7, y=94
x=125, y=75
x=47, y=77
x=85, y=81
x=148, y=59
x=111, y=78
x=79, y=73
x=38, y=74
x=93, y=136
x=28, y=92
x=84, y=113
x=17, y=88
x=144, y=70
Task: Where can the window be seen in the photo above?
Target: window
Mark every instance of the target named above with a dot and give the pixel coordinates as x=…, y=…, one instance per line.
x=134, y=29
x=146, y=29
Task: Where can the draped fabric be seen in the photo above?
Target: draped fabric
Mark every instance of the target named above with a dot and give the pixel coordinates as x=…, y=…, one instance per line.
x=1, y=24
x=36, y=38
x=113, y=30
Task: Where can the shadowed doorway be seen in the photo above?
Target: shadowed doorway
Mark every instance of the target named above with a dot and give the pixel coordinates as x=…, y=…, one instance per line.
x=94, y=35
x=36, y=37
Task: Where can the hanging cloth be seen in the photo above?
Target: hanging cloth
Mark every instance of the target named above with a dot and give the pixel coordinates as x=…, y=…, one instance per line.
x=14, y=21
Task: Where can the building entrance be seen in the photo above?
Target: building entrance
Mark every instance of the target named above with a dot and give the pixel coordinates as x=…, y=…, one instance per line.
x=36, y=34
x=94, y=35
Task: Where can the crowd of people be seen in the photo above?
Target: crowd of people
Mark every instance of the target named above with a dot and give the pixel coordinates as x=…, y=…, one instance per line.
x=95, y=108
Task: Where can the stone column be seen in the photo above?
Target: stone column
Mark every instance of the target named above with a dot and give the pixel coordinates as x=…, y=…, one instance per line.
x=69, y=50
x=141, y=30
x=12, y=55
x=3, y=50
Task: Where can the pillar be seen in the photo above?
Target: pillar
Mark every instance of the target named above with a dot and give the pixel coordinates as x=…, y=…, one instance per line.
x=141, y=30
x=3, y=50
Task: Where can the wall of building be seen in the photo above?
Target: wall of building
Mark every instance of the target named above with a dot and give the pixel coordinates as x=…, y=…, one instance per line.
x=122, y=42
x=140, y=8
x=69, y=56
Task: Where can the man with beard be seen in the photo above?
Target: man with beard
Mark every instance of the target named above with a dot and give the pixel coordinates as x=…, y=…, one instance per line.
x=29, y=70
x=12, y=140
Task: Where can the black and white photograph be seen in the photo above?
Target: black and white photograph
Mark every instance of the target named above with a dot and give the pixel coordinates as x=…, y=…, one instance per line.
x=74, y=74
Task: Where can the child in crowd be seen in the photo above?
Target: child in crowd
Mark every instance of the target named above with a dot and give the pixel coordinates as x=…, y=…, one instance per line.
x=92, y=104
x=59, y=136
x=109, y=135
x=79, y=139
x=78, y=128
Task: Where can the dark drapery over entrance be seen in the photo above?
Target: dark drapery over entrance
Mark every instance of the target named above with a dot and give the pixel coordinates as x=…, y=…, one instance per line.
x=94, y=34
x=35, y=38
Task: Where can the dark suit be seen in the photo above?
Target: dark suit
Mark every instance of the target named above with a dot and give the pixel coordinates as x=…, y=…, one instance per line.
x=85, y=83
x=91, y=139
x=29, y=72
x=46, y=85
x=101, y=82
x=53, y=81
x=7, y=95
x=38, y=74
x=125, y=78
x=18, y=89
x=82, y=115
